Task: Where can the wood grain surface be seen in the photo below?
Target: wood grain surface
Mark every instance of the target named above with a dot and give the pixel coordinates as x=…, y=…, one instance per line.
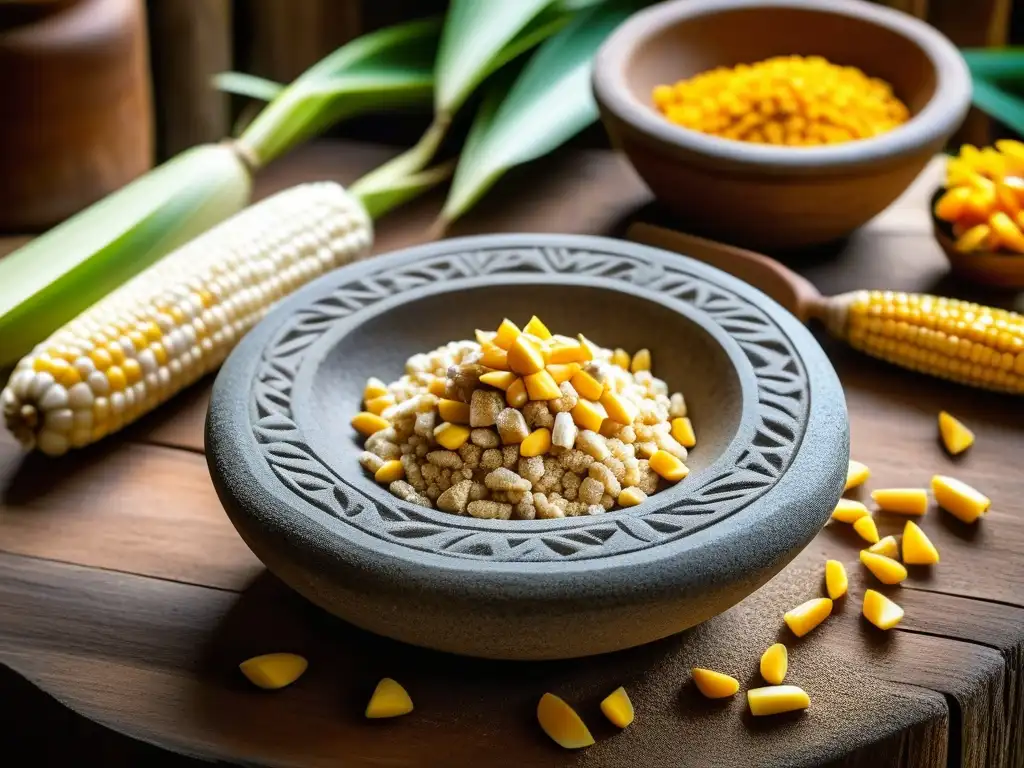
x=128, y=598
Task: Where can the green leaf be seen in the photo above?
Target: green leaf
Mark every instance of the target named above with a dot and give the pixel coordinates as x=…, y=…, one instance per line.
x=382, y=198
x=1003, y=106
x=393, y=66
x=474, y=35
x=550, y=102
x=251, y=86
x=996, y=64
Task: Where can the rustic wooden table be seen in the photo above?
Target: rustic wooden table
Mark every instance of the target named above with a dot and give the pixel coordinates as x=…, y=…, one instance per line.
x=126, y=595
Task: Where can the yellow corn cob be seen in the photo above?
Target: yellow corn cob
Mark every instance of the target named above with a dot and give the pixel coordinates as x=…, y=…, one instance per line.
x=177, y=320
x=956, y=340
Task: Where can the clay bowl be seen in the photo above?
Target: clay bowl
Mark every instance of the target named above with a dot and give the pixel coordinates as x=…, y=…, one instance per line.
x=770, y=197
x=770, y=465
x=989, y=268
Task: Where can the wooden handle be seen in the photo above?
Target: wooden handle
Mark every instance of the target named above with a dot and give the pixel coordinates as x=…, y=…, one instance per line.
x=786, y=287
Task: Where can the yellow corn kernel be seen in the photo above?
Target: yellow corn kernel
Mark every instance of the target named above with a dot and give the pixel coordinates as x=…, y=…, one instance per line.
x=541, y=386
x=484, y=337
x=950, y=207
x=641, y=361
x=856, y=474
x=506, y=334
x=590, y=349
x=617, y=707
x=586, y=385
x=886, y=546
x=880, y=610
x=516, y=395
x=100, y=358
x=955, y=436
x=849, y=511
x=589, y=415
x=116, y=378
x=917, y=547
x=774, y=663
x=524, y=356
x=619, y=409
x=903, y=501
x=273, y=670
x=682, y=431
x=567, y=352
x=562, y=371
x=378, y=404
x=631, y=497
x=836, y=581
x=132, y=371
x=499, y=379
x=714, y=685
x=366, y=423
x=668, y=466
x=374, y=388
x=959, y=499
x=866, y=529
x=807, y=616
x=973, y=239
x=620, y=357
x=562, y=724
x=454, y=411
x=494, y=357
x=389, y=699
x=451, y=436
x=438, y=386
x=537, y=328
x=776, y=699
x=885, y=569
x=389, y=471
x=1010, y=236
x=537, y=443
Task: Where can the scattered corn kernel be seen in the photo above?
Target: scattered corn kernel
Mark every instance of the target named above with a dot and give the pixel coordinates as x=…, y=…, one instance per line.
x=776, y=699
x=562, y=724
x=569, y=351
x=668, y=466
x=586, y=385
x=885, y=569
x=849, y=511
x=590, y=349
x=631, y=497
x=903, y=501
x=537, y=328
x=451, y=436
x=589, y=415
x=959, y=499
x=880, y=610
x=366, y=423
x=682, y=431
x=454, y=411
x=784, y=100
x=506, y=334
x=562, y=371
x=437, y=386
x=867, y=529
x=524, y=357
x=516, y=395
x=620, y=357
x=836, y=581
x=484, y=337
x=374, y=388
x=494, y=357
x=378, y=404
x=917, y=547
x=807, y=616
x=389, y=699
x=618, y=408
x=641, y=361
x=856, y=474
x=774, y=663
x=389, y=471
x=618, y=708
x=714, y=685
x=538, y=443
x=955, y=436
x=500, y=379
x=541, y=386
x=273, y=670
x=887, y=547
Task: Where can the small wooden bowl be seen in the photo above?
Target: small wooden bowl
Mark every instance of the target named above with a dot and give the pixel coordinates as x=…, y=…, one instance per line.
x=769, y=197
x=989, y=268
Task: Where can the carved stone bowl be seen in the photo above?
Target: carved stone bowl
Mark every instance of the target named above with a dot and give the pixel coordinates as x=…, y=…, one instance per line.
x=771, y=458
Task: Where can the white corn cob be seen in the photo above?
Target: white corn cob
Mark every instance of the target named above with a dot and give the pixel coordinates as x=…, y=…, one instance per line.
x=178, y=320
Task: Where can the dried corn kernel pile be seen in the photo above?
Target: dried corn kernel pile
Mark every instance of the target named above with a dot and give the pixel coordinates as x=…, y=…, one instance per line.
x=984, y=197
x=787, y=100
x=523, y=424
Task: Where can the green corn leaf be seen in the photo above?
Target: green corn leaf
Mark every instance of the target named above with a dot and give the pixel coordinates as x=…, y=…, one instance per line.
x=380, y=199
x=473, y=38
x=996, y=64
x=549, y=103
x=241, y=84
x=1005, y=107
